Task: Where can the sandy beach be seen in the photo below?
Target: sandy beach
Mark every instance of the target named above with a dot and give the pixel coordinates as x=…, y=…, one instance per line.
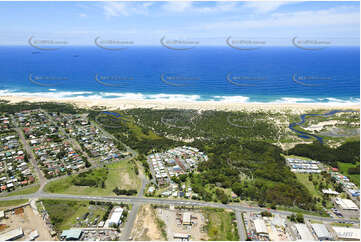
x=121, y=104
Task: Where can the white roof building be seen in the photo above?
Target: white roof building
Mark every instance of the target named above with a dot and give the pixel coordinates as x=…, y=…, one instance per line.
x=278, y=221
x=187, y=218
x=321, y=232
x=115, y=219
x=151, y=189
x=33, y=235
x=304, y=233
x=346, y=204
x=260, y=226
x=330, y=192
x=181, y=236
x=12, y=234
x=344, y=233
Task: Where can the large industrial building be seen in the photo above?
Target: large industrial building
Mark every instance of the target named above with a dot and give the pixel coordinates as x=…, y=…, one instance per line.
x=260, y=226
x=303, y=232
x=321, y=232
x=344, y=233
x=71, y=234
x=346, y=204
x=12, y=234
x=115, y=219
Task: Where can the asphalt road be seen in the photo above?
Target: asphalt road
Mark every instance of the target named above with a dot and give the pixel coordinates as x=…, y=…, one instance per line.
x=176, y=202
x=32, y=159
x=133, y=214
x=130, y=222
x=240, y=226
x=139, y=200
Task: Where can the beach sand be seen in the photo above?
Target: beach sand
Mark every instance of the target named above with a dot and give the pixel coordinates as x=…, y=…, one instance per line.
x=121, y=104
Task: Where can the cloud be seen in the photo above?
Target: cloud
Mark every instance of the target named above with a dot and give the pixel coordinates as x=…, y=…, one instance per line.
x=191, y=7
x=177, y=6
x=329, y=18
x=112, y=9
x=262, y=7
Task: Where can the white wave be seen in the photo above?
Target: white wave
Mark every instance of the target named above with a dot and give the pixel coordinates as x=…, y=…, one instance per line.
x=235, y=99
x=337, y=100
x=293, y=100
x=322, y=101
x=51, y=94
x=161, y=96
x=171, y=97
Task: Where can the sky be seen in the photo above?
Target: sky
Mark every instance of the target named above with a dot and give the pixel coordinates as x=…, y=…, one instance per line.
x=208, y=23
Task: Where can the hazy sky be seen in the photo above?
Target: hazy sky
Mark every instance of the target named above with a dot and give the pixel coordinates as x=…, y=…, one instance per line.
x=79, y=23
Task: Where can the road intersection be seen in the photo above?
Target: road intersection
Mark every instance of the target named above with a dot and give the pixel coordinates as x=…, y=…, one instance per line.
x=139, y=200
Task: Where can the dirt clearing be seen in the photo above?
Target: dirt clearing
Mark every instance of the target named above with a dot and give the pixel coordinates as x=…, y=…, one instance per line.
x=28, y=221
x=145, y=226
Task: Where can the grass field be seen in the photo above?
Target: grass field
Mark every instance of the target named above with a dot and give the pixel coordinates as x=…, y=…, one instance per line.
x=299, y=210
x=220, y=225
x=303, y=178
x=25, y=191
x=355, y=178
x=12, y=203
x=342, y=224
x=138, y=132
x=64, y=213
x=120, y=174
x=295, y=156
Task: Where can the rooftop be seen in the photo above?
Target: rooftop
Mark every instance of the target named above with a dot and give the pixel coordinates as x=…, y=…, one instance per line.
x=347, y=233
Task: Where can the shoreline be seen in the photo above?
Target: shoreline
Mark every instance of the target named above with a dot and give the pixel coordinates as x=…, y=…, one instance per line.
x=122, y=104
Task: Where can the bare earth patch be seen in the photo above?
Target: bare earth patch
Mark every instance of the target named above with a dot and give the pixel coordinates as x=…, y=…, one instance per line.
x=28, y=221
x=145, y=227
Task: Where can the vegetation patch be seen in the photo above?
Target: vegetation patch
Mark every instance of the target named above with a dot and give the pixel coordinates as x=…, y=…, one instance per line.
x=65, y=214
x=348, y=152
x=91, y=178
x=221, y=225
x=350, y=170
x=269, y=180
x=12, y=203
x=27, y=190
x=119, y=175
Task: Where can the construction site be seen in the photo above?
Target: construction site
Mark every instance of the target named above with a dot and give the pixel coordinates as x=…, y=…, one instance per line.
x=22, y=223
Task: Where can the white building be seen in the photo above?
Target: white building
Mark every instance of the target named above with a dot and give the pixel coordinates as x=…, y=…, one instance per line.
x=260, y=225
x=186, y=220
x=303, y=232
x=115, y=219
x=346, y=204
x=12, y=234
x=321, y=232
x=344, y=233
x=33, y=235
x=181, y=236
x=329, y=192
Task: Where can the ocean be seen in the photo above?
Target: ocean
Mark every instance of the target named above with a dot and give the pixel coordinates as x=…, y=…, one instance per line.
x=268, y=75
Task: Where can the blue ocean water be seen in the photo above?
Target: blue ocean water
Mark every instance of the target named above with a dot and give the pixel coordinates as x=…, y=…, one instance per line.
x=270, y=74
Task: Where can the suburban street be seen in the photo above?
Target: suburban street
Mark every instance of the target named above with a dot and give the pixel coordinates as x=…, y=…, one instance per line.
x=32, y=159
x=139, y=200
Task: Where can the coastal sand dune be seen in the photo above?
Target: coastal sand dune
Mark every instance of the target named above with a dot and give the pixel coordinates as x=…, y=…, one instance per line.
x=121, y=104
